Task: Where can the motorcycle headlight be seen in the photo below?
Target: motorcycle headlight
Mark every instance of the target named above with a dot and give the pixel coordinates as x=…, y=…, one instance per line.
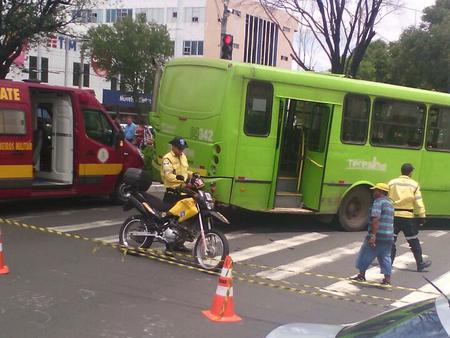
x=209, y=201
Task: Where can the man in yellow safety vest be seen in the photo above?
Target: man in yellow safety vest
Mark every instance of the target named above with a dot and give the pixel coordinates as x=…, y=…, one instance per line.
x=409, y=213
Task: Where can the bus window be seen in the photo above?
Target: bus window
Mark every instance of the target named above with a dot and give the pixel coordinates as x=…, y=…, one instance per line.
x=438, y=129
x=397, y=124
x=355, y=119
x=317, y=134
x=12, y=122
x=258, y=109
x=98, y=127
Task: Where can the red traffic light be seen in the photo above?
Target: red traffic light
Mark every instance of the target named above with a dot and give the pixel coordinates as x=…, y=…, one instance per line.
x=227, y=39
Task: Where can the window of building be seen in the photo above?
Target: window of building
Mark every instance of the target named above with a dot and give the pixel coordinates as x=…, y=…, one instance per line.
x=397, y=124
x=86, y=16
x=114, y=15
x=192, y=47
x=97, y=127
x=77, y=73
x=172, y=15
x=194, y=14
x=438, y=135
x=86, y=74
x=12, y=122
x=32, y=68
x=235, y=46
x=355, y=119
x=44, y=70
x=286, y=29
x=258, y=109
x=260, y=41
x=284, y=58
x=154, y=15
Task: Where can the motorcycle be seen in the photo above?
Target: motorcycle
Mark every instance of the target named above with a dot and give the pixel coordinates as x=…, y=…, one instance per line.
x=173, y=224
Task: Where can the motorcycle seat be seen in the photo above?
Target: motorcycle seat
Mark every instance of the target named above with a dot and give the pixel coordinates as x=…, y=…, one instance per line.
x=157, y=203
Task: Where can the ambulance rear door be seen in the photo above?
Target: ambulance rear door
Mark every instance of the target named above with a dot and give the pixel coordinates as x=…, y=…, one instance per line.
x=16, y=141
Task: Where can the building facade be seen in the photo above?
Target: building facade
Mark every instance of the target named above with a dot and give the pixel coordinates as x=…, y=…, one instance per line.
x=195, y=29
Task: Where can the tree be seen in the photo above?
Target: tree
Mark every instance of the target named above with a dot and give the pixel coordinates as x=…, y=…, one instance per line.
x=343, y=29
x=131, y=49
x=28, y=21
x=420, y=58
x=376, y=64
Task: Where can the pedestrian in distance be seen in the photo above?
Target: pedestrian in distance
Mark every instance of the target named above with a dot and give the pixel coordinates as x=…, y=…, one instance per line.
x=130, y=130
x=409, y=213
x=379, y=240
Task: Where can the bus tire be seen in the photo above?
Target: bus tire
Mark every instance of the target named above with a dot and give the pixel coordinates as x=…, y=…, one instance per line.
x=353, y=212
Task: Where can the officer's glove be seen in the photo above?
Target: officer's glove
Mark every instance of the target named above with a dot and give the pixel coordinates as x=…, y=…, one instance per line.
x=180, y=177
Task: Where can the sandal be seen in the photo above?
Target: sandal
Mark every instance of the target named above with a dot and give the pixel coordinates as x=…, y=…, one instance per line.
x=358, y=278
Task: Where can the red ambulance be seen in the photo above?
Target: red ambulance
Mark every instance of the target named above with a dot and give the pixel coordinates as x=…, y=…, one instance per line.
x=58, y=141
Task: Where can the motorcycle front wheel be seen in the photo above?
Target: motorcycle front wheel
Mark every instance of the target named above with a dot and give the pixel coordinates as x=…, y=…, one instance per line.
x=211, y=257
x=134, y=224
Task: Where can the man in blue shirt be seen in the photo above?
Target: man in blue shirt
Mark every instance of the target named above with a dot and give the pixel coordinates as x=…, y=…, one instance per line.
x=130, y=130
x=378, y=242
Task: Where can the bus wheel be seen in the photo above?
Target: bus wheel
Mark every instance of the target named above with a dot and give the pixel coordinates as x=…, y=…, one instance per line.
x=354, y=209
x=118, y=195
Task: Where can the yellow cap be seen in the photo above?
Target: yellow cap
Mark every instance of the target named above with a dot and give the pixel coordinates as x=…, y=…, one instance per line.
x=381, y=186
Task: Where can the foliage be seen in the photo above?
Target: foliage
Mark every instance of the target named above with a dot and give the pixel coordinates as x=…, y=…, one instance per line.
x=420, y=58
x=131, y=49
x=343, y=29
x=28, y=21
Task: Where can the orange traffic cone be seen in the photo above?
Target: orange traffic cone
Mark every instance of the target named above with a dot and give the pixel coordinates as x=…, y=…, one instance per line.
x=222, y=309
x=3, y=268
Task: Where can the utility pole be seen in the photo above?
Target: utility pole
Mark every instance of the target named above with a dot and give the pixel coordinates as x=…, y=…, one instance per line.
x=223, y=23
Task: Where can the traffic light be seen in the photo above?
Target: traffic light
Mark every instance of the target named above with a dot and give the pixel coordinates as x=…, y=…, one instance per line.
x=227, y=47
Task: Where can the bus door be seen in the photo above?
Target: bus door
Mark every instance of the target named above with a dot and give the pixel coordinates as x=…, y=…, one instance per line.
x=290, y=164
x=256, y=149
x=316, y=146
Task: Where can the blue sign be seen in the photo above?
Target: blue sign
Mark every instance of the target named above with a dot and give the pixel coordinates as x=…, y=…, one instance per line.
x=117, y=98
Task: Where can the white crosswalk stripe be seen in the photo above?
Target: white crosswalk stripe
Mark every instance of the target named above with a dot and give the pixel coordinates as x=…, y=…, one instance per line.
x=108, y=239
x=281, y=244
x=86, y=226
x=373, y=274
x=439, y=233
x=311, y=262
x=443, y=283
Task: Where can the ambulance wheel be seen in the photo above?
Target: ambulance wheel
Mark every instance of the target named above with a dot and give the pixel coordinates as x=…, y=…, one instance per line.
x=118, y=196
x=353, y=212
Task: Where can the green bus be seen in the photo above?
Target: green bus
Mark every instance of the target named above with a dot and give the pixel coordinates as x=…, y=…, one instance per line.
x=276, y=140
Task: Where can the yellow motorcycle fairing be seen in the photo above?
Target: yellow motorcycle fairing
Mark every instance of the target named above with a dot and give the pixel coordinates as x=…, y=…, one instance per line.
x=184, y=209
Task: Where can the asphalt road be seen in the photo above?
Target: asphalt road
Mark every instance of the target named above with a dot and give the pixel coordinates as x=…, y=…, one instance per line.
x=66, y=287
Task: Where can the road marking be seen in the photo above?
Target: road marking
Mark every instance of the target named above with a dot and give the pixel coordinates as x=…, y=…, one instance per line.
x=438, y=233
x=443, y=283
x=84, y=226
x=343, y=288
x=275, y=246
x=108, y=239
x=308, y=263
x=236, y=235
x=60, y=213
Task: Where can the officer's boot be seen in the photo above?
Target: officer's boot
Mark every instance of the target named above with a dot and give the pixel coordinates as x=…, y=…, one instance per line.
x=416, y=249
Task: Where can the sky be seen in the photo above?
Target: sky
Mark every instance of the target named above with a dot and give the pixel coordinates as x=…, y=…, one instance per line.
x=389, y=29
x=410, y=14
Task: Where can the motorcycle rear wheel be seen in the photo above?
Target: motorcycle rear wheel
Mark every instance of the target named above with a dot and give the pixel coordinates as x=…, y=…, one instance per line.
x=134, y=223
x=216, y=250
